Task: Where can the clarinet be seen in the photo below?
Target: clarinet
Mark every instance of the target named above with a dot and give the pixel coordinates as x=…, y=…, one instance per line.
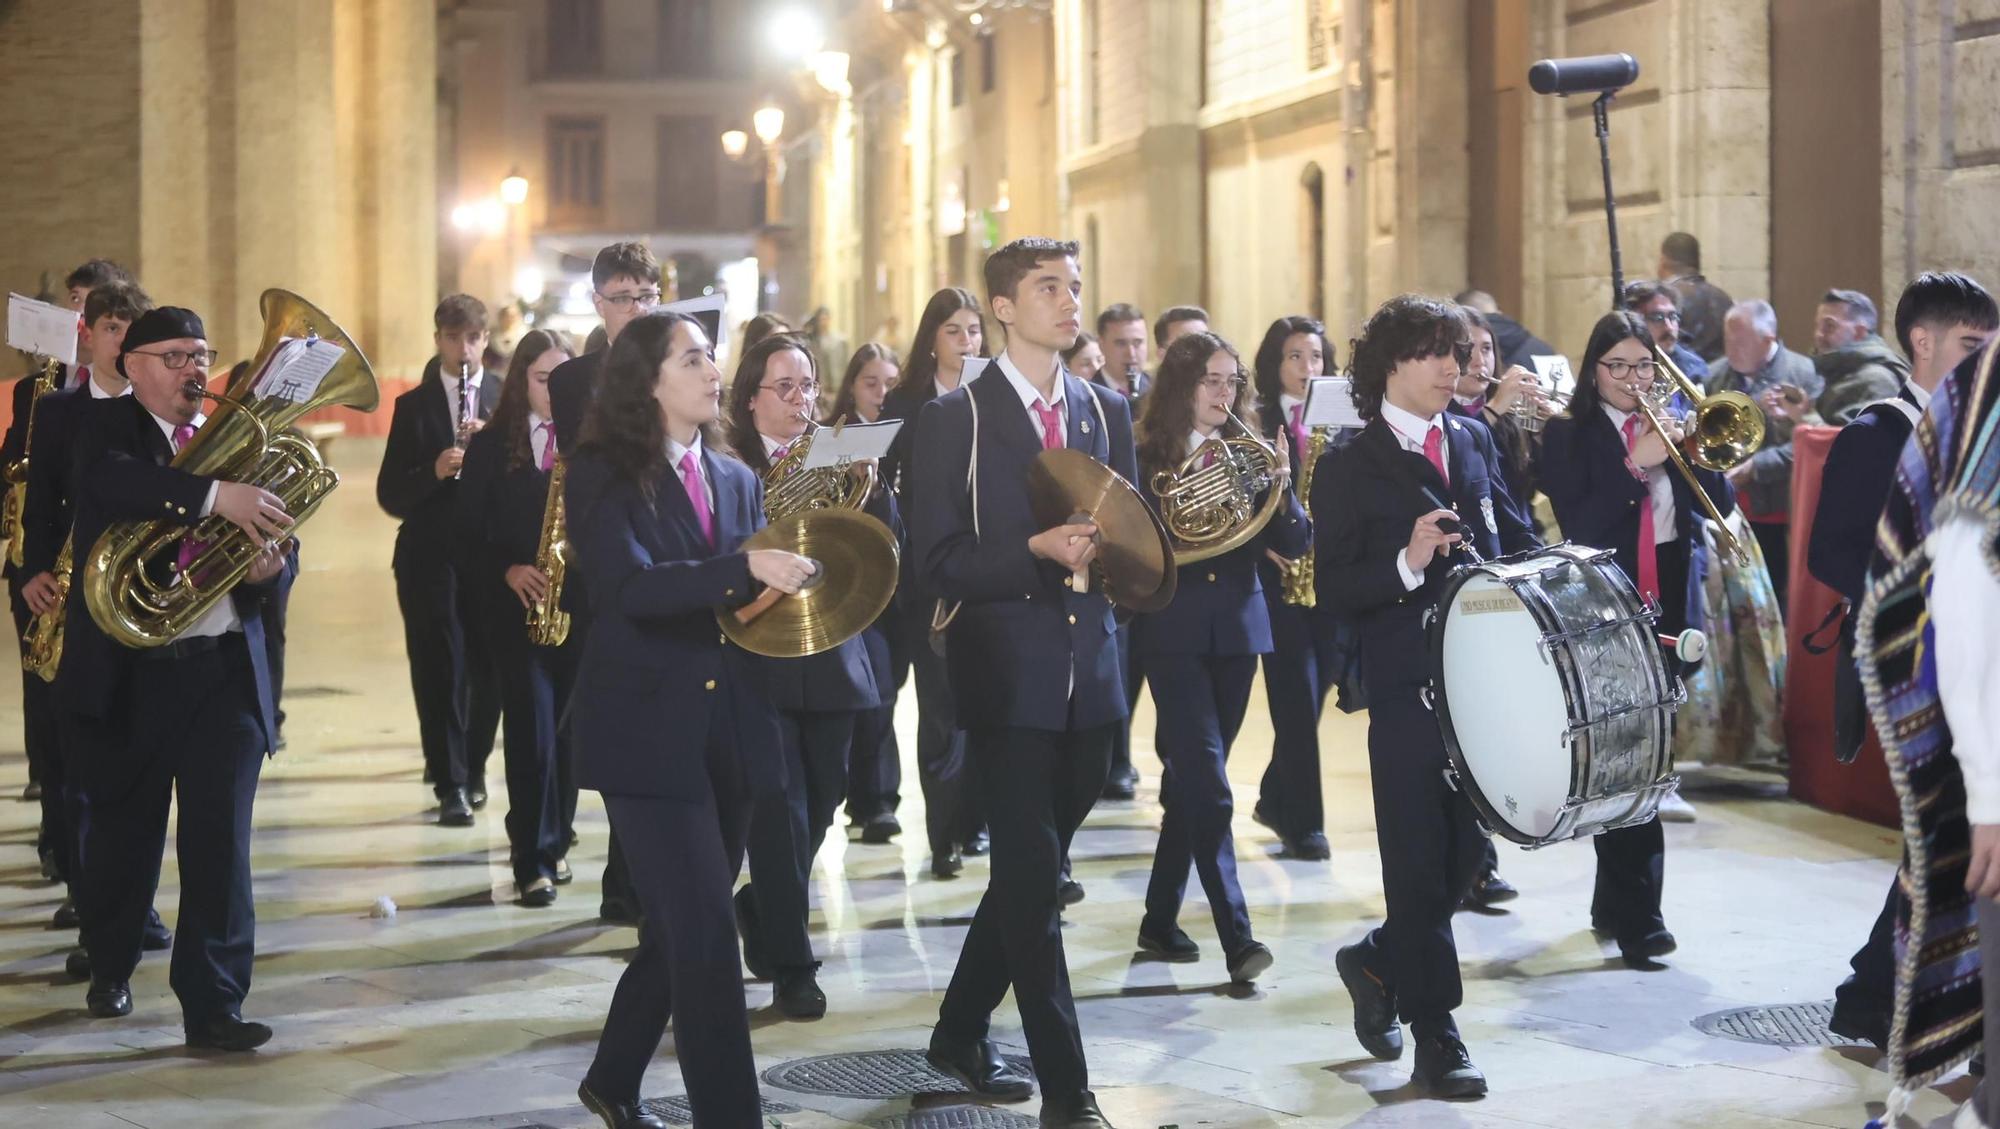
x=465, y=414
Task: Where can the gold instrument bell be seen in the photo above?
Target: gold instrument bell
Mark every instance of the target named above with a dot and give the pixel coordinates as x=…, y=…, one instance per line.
x=1209, y=504
x=857, y=559
x=1134, y=556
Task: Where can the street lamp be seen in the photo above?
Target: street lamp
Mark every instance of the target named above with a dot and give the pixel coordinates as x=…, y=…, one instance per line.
x=797, y=33
x=769, y=122
x=514, y=189
x=735, y=143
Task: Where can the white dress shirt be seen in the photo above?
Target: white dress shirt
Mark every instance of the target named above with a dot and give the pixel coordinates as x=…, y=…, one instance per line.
x=675, y=452
x=451, y=392
x=1658, y=485
x=222, y=616
x=1196, y=438
x=1286, y=402
x=540, y=432
x=1411, y=430
x=1968, y=657
x=773, y=446
x=1030, y=397
x=98, y=393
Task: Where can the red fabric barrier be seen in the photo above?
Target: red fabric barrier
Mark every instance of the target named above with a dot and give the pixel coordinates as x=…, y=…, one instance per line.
x=1860, y=789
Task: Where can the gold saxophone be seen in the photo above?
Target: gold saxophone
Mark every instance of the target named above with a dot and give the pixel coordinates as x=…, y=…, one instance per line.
x=15, y=506
x=1298, y=574
x=548, y=624
x=41, y=652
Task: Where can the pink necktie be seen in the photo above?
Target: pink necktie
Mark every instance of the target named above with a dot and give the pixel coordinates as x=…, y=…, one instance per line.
x=189, y=547
x=778, y=454
x=82, y=376
x=548, y=431
x=1052, y=433
x=1649, y=560
x=698, y=497
x=1434, y=451
x=1299, y=427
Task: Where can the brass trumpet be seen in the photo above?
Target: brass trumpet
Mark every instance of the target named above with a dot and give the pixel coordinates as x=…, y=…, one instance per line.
x=1209, y=503
x=790, y=488
x=1523, y=407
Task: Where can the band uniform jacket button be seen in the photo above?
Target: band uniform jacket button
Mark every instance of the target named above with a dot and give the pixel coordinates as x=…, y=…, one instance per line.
x=1211, y=578
x=180, y=510
x=729, y=591
x=709, y=685
x=1072, y=621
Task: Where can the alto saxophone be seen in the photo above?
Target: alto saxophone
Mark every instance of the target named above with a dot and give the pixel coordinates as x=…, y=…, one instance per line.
x=1298, y=574
x=548, y=624
x=41, y=651
x=15, y=506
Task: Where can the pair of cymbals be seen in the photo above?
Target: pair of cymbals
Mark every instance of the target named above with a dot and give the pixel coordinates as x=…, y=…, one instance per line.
x=1135, y=557
x=856, y=560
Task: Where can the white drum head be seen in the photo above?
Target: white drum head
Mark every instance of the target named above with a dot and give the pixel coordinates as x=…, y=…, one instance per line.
x=1507, y=707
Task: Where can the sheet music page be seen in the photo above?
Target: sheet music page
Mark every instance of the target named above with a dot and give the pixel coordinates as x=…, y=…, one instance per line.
x=1554, y=373
x=296, y=367
x=42, y=328
x=1330, y=403
x=856, y=441
x=970, y=368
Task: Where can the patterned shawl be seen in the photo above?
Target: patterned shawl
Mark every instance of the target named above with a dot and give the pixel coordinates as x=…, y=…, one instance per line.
x=1951, y=466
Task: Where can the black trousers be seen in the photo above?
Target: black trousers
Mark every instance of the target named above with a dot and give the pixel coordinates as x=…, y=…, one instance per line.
x=1135, y=680
x=941, y=745
x=40, y=737
x=787, y=827
x=534, y=686
x=1872, y=987
x=452, y=674
x=875, y=763
x=1200, y=701
x=277, y=603
x=1298, y=673
x=192, y=733
x=683, y=857
x=1037, y=786
x=1431, y=848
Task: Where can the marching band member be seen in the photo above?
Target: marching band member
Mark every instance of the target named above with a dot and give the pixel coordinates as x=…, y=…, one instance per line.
x=625, y=284
x=819, y=698
x=1371, y=500
x=189, y=721
x=451, y=673
x=1201, y=654
x=1122, y=336
x=1605, y=471
x=1300, y=667
x=1085, y=359
x=1034, y=671
x=949, y=331
x=669, y=721
x=874, y=765
x=502, y=501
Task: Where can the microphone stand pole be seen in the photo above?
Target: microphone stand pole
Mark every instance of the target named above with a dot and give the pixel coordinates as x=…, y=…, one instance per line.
x=1600, y=111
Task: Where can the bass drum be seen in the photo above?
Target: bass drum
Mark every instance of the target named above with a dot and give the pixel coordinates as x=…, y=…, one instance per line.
x=1552, y=695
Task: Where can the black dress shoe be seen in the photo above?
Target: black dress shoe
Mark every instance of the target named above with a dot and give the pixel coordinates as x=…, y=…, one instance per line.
x=1374, y=1006
x=978, y=1067
x=1862, y=1023
x=618, y=1115
x=1490, y=890
x=51, y=866
x=564, y=875
x=617, y=911
x=1264, y=817
x=947, y=864
x=1647, y=949
x=1445, y=1069
x=539, y=894
x=156, y=937
x=475, y=794
x=1309, y=847
x=1078, y=1111
x=1174, y=945
x=1121, y=787
x=752, y=935
x=796, y=993
x=454, y=810
x=65, y=915
x=228, y=1033
x=77, y=964
x=979, y=844
x=1069, y=892
x=32, y=792
x=109, y=1001
x=1249, y=962
x=880, y=829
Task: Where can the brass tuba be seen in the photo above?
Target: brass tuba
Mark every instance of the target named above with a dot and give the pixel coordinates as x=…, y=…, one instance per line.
x=244, y=441
x=41, y=652
x=1210, y=507
x=790, y=488
x=548, y=624
x=1298, y=574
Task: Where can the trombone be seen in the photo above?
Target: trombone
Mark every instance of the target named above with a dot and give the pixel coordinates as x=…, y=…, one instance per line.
x=1728, y=429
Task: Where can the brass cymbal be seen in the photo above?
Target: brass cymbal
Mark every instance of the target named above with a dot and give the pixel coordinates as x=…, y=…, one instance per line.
x=1135, y=559
x=857, y=558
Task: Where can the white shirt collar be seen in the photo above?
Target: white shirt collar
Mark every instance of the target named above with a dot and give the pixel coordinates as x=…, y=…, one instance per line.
x=938, y=386
x=1918, y=393
x=773, y=446
x=1409, y=425
x=1195, y=440
x=1617, y=417
x=453, y=377
x=535, y=421
x=97, y=393
x=675, y=452
x=1030, y=397
x=1286, y=402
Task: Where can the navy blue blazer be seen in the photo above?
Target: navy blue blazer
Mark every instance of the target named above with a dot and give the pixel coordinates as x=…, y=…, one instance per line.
x=121, y=471
x=1854, y=488
x=407, y=487
x=1366, y=498
x=1596, y=499
x=51, y=482
x=842, y=678
x=1218, y=606
x=653, y=656
x=1021, y=634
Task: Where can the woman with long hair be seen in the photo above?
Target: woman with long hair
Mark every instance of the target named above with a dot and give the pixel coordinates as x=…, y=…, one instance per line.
x=1605, y=470
x=1085, y=359
x=870, y=377
x=671, y=723
x=502, y=495
x=1200, y=653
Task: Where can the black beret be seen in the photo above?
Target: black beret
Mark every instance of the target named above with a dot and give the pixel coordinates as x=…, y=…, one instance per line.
x=161, y=323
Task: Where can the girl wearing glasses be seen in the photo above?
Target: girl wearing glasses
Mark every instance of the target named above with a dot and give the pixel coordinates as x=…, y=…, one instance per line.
x=819, y=698
x=1604, y=468
x=1200, y=654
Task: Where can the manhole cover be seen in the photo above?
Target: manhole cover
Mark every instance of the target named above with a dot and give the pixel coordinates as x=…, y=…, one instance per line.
x=677, y=1110
x=957, y=1117
x=1778, y=1025
x=872, y=1074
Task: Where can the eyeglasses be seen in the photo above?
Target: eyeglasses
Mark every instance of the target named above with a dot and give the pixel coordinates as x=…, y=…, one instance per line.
x=1227, y=385
x=623, y=301
x=1662, y=317
x=1641, y=370
x=787, y=389
x=178, y=359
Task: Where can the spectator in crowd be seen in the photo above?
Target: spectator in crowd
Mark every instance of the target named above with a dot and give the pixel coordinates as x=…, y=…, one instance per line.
x=1703, y=303
x=1511, y=339
x=1660, y=305
x=1756, y=363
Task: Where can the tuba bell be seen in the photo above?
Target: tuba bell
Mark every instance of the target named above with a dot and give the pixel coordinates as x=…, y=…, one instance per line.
x=1209, y=504
x=136, y=590
x=790, y=488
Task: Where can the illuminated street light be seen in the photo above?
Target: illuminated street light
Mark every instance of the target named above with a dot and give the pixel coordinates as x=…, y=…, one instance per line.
x=735, y=143
x=514, y=189
x=797, y=33
x=769, y=122
x=830, y=71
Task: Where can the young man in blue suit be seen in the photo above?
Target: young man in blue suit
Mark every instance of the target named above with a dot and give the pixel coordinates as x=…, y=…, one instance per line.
x=1384, y=549
x=1033, y=664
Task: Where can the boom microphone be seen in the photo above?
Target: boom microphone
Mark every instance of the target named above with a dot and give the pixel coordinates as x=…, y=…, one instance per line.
x=1586, y=74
